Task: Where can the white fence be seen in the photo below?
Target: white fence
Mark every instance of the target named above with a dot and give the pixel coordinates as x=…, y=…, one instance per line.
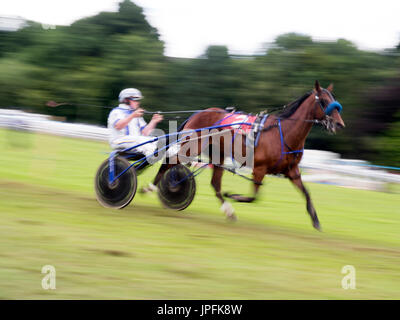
x=43, y=124
x=319, y=166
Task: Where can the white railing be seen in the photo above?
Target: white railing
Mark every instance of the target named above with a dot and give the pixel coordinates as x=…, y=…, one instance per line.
x=45, y=124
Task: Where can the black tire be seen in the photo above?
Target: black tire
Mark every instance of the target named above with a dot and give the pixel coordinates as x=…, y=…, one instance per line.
x=177, y=188
x=119, y=194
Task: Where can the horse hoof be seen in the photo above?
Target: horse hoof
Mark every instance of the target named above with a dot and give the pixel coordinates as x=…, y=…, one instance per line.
x=149, y=189
x=229, y=211
x=142, y=190
x=317, y=226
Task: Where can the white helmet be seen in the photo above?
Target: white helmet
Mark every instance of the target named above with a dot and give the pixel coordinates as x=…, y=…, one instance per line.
x=133, y=93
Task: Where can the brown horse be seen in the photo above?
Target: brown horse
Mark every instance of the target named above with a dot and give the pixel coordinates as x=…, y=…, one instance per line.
x=281, y=134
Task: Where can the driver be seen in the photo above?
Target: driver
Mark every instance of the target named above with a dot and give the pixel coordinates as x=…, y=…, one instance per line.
x=127, y=125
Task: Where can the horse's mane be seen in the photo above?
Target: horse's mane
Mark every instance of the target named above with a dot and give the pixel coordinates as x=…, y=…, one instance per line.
x=291, y=108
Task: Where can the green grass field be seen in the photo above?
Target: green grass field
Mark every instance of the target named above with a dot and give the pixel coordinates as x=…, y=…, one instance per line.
x=49, y=216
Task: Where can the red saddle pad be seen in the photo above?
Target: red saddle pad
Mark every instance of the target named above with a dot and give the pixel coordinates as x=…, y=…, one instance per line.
x=239, y=119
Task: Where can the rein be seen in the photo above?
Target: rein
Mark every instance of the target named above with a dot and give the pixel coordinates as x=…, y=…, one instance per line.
x=329, y=109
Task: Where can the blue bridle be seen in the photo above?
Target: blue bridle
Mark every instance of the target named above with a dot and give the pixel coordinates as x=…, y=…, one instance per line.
x=332, y=106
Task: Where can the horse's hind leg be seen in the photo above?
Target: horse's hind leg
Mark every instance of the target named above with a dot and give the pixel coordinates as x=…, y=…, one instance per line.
x=153, y=186
x=170, y=161
x=295, y=177
x=216, y=183
x=164, y=167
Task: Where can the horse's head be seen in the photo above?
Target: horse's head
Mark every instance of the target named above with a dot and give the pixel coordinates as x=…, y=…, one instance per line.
x=327, y=108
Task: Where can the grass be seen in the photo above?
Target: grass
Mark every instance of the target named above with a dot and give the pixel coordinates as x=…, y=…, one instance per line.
x=49, y=215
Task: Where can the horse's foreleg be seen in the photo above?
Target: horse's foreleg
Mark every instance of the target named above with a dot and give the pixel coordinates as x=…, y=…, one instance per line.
x=216, y=183
x=295, y=177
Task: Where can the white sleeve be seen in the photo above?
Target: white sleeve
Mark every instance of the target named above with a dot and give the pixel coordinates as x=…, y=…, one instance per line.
x=113, y=118
x=142, y=123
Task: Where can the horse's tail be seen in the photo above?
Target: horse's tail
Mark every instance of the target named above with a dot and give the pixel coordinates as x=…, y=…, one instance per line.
x=180, y=128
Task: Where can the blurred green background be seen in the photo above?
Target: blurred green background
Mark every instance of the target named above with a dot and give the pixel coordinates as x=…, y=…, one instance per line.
x=91, y=60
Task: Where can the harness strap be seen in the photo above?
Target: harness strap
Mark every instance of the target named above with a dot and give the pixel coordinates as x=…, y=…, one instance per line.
x=262, y=129
x=283, y=143
x=240, y=175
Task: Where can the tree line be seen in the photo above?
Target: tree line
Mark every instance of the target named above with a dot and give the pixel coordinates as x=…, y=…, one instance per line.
x=90, y=61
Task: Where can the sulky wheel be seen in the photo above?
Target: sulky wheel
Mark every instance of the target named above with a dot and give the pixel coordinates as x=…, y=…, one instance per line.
x=177, y=188
x=121, y=192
